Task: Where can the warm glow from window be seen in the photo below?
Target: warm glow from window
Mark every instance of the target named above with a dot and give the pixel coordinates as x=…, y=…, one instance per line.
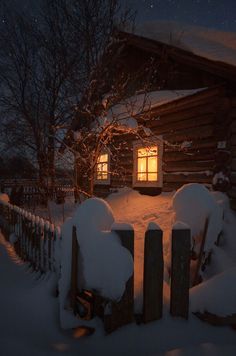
x=147, y=165
x=102, y=167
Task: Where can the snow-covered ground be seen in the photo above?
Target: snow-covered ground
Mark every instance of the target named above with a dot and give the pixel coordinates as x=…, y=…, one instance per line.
x=29, y=313
x=29, y=324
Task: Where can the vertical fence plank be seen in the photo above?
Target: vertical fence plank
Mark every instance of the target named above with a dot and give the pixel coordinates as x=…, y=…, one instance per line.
x=153, y=275
x=74, y=270
x=180, y=271
x=122, y=313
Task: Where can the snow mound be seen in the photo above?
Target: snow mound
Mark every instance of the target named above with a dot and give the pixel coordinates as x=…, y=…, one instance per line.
x=104, y=264
x=193, y=204
x=4, y=198
x=217, y=295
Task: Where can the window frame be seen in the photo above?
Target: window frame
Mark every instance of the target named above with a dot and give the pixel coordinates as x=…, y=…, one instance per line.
x=154, y=141
x=103, y=181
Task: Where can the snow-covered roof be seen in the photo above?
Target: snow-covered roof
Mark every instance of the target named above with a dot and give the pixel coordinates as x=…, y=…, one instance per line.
x=209, y=43
x=143, y=102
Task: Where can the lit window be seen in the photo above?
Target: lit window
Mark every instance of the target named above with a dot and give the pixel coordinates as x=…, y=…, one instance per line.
x=102, y=167
x=147, y=164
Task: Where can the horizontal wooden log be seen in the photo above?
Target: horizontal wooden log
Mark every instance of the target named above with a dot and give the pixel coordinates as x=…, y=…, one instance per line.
x=233, y=139
x=187, y=178
x=194, y=145
x=233, y=102
x=192, y=101
x=232, y=193
x=233, y=177
x=181, y=115
x=232, y=113
x=233, y=164
x=181, y=125
x=190, y=134
x=205, y=154
x=188, y=166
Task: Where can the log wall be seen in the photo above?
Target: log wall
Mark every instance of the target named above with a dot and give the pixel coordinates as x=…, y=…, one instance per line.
x=191, y=129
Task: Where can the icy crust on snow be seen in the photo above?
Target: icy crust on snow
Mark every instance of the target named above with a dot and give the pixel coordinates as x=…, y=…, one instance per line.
x=205, y=42
x=193, y=204
x=216, y=295
x=104, y=264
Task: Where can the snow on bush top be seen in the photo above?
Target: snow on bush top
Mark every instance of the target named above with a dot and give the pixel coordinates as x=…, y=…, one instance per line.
x=4, y=198
x=217, y=295
x=193, y=204
x=104, y=264
x=94, y=212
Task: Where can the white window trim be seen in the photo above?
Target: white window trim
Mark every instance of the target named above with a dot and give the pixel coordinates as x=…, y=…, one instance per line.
x=108, y=180
x=156, y=140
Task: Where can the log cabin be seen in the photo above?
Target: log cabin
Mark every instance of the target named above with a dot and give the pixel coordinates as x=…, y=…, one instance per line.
x=191, y=113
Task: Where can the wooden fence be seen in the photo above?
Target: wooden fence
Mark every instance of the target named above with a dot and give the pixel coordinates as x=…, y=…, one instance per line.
x=30, y=195
x=35, y=238
x=37, y=243
x=117, y=314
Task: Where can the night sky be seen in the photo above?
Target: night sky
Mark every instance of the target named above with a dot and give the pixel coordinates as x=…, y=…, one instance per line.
x=220, y=14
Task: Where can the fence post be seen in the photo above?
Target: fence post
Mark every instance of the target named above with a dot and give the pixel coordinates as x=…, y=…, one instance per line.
x=153, y=274
x=74, y=270
x=180, y=270
x=122, y=312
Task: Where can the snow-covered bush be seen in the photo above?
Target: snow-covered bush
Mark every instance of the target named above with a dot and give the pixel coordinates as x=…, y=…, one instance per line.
x=104, y=264
x=193, y=204
x=217, y=295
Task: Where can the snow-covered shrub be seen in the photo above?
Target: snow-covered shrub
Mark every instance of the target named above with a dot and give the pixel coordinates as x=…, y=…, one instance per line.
x=104, y=264
x=193, y=204
x=217, y=295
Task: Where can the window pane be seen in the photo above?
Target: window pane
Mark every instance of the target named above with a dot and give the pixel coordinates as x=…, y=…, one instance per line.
x=142, y=164
x=152, y=164
x=152, y=151
x=152, y=177
x=103, y=158
x=142, y=152
x=142, y=176
x=102, y=171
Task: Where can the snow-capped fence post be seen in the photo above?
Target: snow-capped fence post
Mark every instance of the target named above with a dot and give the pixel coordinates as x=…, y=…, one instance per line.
x=153, y=274
x=180, y=270
x=122, y=312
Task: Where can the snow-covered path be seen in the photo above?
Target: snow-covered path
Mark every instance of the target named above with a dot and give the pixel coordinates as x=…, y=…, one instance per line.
x=27, y=311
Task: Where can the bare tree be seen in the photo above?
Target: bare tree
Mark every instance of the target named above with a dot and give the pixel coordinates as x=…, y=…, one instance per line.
x=45, y=66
